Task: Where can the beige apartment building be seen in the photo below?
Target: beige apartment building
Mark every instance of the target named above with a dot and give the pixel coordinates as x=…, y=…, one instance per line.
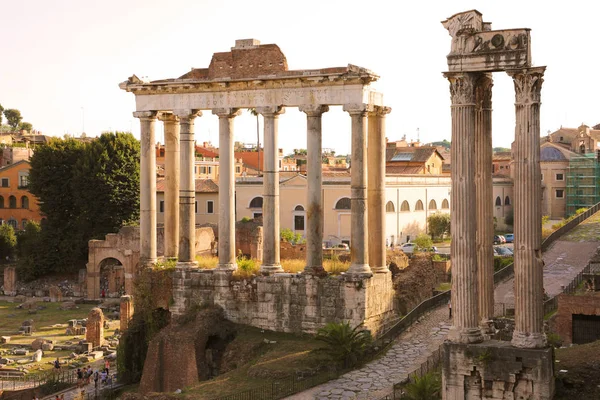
x=207, y=201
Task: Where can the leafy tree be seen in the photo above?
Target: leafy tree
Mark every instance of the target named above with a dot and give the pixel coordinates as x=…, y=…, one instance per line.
x=423, y=241
x=25, y=126
x=439, y=224
x=289, y=236
x=1, y=113
x=426, y=387
x=8, y=241
x=344, y=344
x=509, y=219
x=29, y=241
x=13, y=117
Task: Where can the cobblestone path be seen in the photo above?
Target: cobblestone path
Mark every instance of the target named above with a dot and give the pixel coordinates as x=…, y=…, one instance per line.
x=377, y=378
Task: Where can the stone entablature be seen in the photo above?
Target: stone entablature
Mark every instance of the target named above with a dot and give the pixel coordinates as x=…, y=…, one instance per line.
x=289, y=302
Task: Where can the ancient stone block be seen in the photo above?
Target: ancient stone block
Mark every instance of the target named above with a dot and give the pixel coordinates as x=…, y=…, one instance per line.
x=95, y=327
x=10, y=281
x=21, y=352
x=55, y=294
x=37, y=344
x=126, y=311
x=37, y=356
x=47, y=347
x=4, y=339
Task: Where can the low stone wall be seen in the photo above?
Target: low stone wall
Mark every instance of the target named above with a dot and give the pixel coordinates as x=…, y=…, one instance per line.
x=288, y=302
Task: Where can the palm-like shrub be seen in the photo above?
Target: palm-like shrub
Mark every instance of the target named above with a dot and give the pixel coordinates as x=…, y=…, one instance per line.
x=426, y=387
x=345, y=344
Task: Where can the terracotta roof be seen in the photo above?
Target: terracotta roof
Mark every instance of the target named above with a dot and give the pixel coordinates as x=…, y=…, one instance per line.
x=401, y=169
x=204, y=152
x=202, y=186
x=250, y=159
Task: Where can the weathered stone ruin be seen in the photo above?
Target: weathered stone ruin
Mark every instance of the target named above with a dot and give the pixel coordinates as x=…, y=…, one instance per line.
x=126, y=311
x=95, y=327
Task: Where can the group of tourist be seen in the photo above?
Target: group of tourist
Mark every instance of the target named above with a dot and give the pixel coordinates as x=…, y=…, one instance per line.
x=85, y=375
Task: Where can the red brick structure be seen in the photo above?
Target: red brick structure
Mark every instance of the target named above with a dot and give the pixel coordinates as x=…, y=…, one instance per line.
x=572, y=305
x=95, y=327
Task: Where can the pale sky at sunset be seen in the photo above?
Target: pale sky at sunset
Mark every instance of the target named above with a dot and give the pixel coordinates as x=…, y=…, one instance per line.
x=62, y=60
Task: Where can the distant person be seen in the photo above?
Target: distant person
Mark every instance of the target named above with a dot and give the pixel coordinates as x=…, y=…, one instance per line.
x=96, y=377
x=449, y=309
x=107, y=364
x=57, y=364
x=103, y=293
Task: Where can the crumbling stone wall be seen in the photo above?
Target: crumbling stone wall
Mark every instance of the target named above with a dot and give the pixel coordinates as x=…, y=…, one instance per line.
x=10, y=281
x=289, y=302
x=95, y=327
x=416, y=282
x=125, y=311
x=569, y=305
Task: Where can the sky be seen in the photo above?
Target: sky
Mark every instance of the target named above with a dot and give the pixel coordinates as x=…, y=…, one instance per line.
x=62, y=60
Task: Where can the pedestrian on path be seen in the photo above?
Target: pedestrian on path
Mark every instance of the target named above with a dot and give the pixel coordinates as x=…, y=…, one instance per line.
x=450, y=309
x=96, y=377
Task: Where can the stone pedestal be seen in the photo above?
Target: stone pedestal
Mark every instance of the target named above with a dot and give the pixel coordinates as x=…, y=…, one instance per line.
x=10, y=281
x=95, y=327
x=496, y=371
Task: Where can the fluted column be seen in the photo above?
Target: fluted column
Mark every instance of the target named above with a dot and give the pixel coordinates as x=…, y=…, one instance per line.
x=465, y=323
x=226, y=189
x=529, y=285
x=187, y=190
x=147, y=187
x=484, y=201
x=376, y=189
x=271, y=247
x=172, y=164
x=359, y=257
x=314, y=168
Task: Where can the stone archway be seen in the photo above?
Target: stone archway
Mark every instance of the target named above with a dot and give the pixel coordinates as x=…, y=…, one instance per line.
x=112, y=277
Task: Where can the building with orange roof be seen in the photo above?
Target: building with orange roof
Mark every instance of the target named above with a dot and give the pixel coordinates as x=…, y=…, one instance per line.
x=17, y=204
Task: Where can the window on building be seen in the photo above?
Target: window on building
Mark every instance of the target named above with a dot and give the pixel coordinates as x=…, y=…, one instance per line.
x=405, y=206
x=507, y=201
x=210, y=170
x=23, y=180
x=445, y=204
x=1, y=202
x=12, y=202
x=203, y=170
x=161, y=206
x=25, y=202
x=298, y=222
x=299, y=208
x=210, y=207
x=279, y=164
x=13, y=222
x=389, y=207
x=24, y=223
x=560, y=193
x=256, y=202
x=343, y=204
x=419, y=206
x=238, y=169
x=542, y=177
x=560, y=177
x=196, y=207
x=498, y=201
x=432, y=205
x=5, y=182
x=256, y=215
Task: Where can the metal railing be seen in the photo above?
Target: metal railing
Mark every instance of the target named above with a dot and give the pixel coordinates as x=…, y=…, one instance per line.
x=11, y=383
x=570, y=225
x=551, y=304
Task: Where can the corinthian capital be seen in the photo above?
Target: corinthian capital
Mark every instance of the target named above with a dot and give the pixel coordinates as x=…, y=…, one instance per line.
x=483, y=92
x=381, y=111
x=528, y=84
x=313, y=110
x=145, y=114
x=462, y=88
x=226, y=112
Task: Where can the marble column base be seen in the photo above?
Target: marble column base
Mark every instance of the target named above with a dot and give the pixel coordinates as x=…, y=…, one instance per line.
x=148, y=262
x=186, y=264
x=360, y=269
x=528, y=341
x=229, y=267
x=315, y=270
x=266, y=269
x=465, y=335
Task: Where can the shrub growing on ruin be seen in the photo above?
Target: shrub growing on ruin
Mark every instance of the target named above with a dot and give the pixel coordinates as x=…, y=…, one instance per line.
x=345, y=344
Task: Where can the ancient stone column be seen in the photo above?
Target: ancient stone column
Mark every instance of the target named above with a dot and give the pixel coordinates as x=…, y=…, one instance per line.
x=226, y=189
x=147, y=187
x=271, y=261
x=314, y=177
x=125, y=311
x=172, y=164
x=94, y=332
x=465, y=323
x=187, y=191
x=358, y=187
x=529, y=285
x=376, y=189
x=484, y=200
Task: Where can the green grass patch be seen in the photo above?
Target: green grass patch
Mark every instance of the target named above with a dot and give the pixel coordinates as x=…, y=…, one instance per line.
x=444, y=286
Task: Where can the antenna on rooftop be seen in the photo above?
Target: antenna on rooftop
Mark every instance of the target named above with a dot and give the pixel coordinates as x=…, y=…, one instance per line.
x=418, y=135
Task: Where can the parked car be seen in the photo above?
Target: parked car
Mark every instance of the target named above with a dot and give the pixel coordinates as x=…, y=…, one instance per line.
x=342, y=246
x=499, y=239
x=408, y=248
x=502, y=251
x=509, y=237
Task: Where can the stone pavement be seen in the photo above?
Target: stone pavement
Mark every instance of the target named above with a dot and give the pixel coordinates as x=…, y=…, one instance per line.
x=377, y=378
x=563, y=260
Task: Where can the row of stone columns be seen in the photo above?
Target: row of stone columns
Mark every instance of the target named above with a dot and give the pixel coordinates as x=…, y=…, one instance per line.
x=472, y=233
x=367, y=187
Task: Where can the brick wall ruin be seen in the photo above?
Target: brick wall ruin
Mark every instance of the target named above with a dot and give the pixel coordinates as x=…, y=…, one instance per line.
x=569, y=305
x=288, y=302
x=95, y=327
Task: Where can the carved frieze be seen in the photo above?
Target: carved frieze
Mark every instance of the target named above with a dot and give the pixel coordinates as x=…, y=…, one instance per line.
x=528, y=84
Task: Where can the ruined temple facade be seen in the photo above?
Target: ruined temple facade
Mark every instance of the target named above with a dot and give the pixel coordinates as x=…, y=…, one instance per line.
x=525, y=369
x=256, y=76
